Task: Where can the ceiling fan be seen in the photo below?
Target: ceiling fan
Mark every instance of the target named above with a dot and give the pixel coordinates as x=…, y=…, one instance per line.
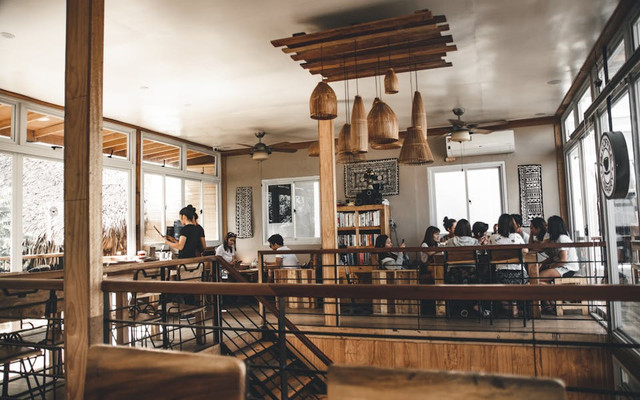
x=461, y=131
x=260, y=151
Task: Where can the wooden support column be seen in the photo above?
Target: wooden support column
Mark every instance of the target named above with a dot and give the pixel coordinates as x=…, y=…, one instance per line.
x=82, y=188
x=328, y=210
x=562, y=183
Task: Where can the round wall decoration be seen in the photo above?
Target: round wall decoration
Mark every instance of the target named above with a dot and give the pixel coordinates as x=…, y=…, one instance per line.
x=614, y=165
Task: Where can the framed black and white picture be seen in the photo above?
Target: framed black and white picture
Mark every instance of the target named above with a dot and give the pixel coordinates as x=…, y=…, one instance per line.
x=530, y=179
x=386, y=171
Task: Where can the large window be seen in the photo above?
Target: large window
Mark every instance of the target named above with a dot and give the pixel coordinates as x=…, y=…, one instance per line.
x=6, y=120
x=569, y=124
x=476, y=192
x=291, y=208
x=616, y=59
x=6, y=178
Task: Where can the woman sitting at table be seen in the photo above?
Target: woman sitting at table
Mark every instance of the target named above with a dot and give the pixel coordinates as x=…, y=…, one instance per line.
x=450, y=227
x=431, y=237
x=462, y=274
x=389, y=260
x=189, y=244
x=563, y=261
x=509, y=274
x=227, y=250
x=538, y=230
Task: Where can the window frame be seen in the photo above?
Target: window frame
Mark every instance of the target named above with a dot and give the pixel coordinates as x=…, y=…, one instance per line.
x=265, y=210
x=431, y=171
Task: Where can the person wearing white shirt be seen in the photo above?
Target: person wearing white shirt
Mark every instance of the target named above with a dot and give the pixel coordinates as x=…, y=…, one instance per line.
x=518, y=220
x=276, y=242
x=563, y=261
x=227, y=250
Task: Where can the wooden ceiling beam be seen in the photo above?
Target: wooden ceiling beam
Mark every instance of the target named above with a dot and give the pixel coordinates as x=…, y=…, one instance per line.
x=381, y=68
x=367, y=41
x=202, y=160
x=161, y=153
x=51, y=130
x=5, y=123
x=5, y=131
x=418, y=48
x=118, y=147
x=373, y=72
x=419, y=17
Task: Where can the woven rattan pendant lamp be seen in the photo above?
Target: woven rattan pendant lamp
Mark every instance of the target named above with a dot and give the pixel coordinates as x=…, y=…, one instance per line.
x=382, y=122
x=415, y=149
x=323, y=103
x=418, y=115
x=390, y=78
x=346, y=141
x=359, y=136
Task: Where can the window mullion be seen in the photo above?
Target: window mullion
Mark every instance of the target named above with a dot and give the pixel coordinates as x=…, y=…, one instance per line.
x=16, y=214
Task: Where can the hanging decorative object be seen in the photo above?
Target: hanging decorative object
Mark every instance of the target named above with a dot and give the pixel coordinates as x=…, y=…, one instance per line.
x=418, y=115
x=390, y=82
x=388, y=146
x=358, y=141
x=344, y=155
x=415, y=150
x=314, y=149
x=382, y=124
x=323, y=103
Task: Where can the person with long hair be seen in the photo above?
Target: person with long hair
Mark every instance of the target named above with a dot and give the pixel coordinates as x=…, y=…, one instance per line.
x=431, y=237
x=450, y=227
x=189, y=244
x=563, y=261
x=538, y=230
x=479, y=231
x=200, y=229
x=227, y=250
x=389, y=260
x=509, y=274
x=461, y=274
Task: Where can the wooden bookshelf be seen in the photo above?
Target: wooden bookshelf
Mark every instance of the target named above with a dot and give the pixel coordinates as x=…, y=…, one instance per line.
x=358, y=228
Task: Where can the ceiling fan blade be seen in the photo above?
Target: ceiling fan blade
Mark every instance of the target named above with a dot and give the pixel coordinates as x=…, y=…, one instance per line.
x=245, y=145
x=482, y=131
x=283, y=150
x=279, y=144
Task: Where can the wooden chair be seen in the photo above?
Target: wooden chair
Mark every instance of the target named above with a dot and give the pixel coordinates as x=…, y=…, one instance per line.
x=140, y=374
x=508, y=256
x=458, y=259
x=187, y=307
x=564, y=305
x=372, y=383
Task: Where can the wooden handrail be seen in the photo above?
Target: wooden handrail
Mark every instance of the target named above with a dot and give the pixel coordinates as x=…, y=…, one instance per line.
x=26, y=283
x=134, y=266
x=401, y=292
x=269, y=306
x=530, y=246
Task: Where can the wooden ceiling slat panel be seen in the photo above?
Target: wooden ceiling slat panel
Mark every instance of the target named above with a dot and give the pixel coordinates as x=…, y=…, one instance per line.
x=381, y=66
x=410, y=42
x=419, y=48
x=419, y=17
x=378, y=39
x=5, y=123
x=374, y=72
x=162, y=153
x=51, y=130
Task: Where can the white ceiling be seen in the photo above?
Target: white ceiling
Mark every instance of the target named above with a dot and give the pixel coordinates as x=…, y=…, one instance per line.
x=205, y=70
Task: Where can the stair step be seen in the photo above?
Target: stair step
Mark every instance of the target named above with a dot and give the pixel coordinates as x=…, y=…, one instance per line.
x=265, y=374
x=295, y=386
x=253, y=350
x=241, y=341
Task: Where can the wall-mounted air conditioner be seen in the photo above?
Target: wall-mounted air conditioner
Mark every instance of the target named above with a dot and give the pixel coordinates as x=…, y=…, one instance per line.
x=497, y=142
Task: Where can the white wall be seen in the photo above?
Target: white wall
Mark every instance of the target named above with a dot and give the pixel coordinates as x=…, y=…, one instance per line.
x=409, y=209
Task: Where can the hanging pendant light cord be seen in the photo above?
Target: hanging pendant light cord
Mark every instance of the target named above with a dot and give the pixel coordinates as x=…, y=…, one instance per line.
x=346, y=91
x=355, y=58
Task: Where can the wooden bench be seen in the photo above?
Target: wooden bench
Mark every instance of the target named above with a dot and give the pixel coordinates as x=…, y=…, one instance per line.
x=138, y=374
x=565, y=305
x=296, y=275
x=395, y=277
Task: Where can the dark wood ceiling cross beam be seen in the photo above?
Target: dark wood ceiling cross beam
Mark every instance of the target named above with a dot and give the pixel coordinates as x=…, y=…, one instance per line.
x=407, y=43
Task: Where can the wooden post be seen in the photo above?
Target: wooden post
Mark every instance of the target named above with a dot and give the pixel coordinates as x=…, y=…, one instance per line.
x=326, y=143
x=137, y=207
x=82, y=188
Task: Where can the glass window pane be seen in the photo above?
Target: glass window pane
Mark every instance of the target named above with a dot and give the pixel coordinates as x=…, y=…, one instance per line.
x=485, y=195
x=115, y=210
x=616, y=59
x=279, y=207
x=583, y=104
x=577, y=205
x=636, y=33
x=6, y=173
x=201, y=162
x=153, y=208
x=114, y=144
x=626, y=218
x=6, y=120
x=569, y=125
x=45, y=129
x=173, y=200
x=193, y=195
x=210, y=211
x=307, y=209
x=159, y=153
x=592, y=202
x=451, y=199
x=42, y=211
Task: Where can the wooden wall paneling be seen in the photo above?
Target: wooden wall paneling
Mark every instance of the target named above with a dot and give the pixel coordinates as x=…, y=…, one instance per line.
x=137, y=207
x=329, y=231
x=83, y=188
